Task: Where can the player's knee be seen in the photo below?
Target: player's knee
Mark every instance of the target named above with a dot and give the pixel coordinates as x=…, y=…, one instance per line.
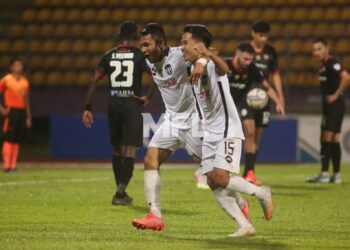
x=150, y=163
x=218, y=179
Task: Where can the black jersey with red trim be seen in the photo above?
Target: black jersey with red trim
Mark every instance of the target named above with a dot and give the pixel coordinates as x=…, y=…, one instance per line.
x=124, y=66
x=241, y=81
x=329, y=76
x=266, y=60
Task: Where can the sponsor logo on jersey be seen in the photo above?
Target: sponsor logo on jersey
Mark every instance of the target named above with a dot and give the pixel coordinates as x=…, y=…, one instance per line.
x=261, y=66
x=168, y=69
x=122, y=93
x=258, y=57
x=322, y=78
x=204, y=94
x=266, y=57
x=237, y=85
x=169, y=83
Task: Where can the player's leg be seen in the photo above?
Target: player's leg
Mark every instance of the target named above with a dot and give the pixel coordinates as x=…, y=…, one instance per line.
x=227, y=200
x=115, y=133
x=249, y=149
x=131, y=136
x=162, y=145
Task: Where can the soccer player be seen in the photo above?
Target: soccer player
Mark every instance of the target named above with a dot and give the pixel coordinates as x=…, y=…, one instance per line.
x=182, y=122
x=222, y=142
x=265, y=58
x=333, y=81
x=124, y=66
x=17, y=112
x=243, y=76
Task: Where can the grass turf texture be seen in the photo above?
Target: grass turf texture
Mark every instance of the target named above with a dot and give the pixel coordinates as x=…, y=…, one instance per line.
x=70, y=209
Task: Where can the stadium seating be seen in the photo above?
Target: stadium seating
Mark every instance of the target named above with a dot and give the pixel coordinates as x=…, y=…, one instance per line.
x=66, y=37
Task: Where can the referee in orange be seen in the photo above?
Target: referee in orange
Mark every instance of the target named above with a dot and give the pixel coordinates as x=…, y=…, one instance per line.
x=15, y=88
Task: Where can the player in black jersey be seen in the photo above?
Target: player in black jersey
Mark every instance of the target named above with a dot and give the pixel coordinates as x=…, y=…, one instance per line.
x=265, y=58
x=124, y=66
x=333, y=81
x=243, y=76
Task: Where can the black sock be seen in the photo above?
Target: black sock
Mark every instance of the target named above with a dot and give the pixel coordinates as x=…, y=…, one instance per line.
x=336, y=157
x=125, y=174
x=326, y=154
x=249, y=163
x=117, y=165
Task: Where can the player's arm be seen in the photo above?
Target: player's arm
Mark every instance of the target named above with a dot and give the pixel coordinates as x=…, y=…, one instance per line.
x=150, y=93
x=87, y=115
x=273, y=95
x=277, y=80
x=220, y=64
x=28, y=112
x=344, y=83
x=3, y=110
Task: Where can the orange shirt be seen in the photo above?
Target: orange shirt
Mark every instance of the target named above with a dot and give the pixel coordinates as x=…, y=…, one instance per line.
x=15, y=91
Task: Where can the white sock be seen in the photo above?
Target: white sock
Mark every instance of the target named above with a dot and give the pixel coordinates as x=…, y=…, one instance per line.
x=153, y=185
x=239, y=184
x=239, y=199
x=229, y=205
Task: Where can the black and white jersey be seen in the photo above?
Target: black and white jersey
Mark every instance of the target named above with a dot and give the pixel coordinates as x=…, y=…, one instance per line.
x=171, y=78
x=329, y=76
x=241, y=81
x=266, y=60
x=124, y=66
x=221, y=119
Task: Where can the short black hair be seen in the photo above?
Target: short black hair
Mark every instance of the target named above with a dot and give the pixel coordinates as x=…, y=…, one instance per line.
x=128, y=30
x=261, y=26
x=15, y=59
x=245, y=46
x=320, y=40
x=200, y=32
x=155, y=30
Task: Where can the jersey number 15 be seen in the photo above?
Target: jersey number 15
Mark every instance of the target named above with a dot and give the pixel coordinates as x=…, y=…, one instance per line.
x=128, y=73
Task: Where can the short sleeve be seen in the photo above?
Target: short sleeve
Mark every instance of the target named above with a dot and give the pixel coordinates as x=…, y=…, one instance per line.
x=101, y=69
x=274, y=62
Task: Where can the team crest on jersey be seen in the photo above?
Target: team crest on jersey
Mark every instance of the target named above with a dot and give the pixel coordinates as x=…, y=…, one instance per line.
x=266, y=57
x=168, y=69
x=258, y=57
x=236, y=77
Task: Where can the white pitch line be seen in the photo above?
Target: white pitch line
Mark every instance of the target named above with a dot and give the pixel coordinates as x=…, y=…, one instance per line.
x=14, y=183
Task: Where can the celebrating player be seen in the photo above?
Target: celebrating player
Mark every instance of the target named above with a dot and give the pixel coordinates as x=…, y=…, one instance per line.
x=124, y=66
x=265, y=58
x=222, y=142
x=15, y=88
x=333, y=80
x=169, y=72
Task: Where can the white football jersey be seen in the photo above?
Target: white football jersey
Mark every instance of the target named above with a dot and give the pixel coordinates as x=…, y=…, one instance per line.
x=220, y=115
x=175, y=89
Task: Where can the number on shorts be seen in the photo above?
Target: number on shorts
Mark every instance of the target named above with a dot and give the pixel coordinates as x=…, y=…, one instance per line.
x=128, y=73
x=229, y=147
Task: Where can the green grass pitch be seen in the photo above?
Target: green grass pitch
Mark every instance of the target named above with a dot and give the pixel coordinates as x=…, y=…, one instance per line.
x=69, y=208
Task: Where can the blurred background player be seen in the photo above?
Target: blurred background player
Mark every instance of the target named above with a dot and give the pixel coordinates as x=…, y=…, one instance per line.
x=265, y=58
x=124, y=66
x=333, y=81
x=243, y=76
x=15, y=88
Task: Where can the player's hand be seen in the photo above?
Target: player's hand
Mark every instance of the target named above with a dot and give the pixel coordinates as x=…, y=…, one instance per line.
x=280, y=110
x=143, y=99
x=28, y=122
x=331, y=98
x=88, y=119
x=196, y=73
x=202, y=50
x=214, y=50
x=4, y=111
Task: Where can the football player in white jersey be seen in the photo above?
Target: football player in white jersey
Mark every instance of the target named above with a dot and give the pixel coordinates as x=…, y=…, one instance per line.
x=182, y=122
x=223, y=135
